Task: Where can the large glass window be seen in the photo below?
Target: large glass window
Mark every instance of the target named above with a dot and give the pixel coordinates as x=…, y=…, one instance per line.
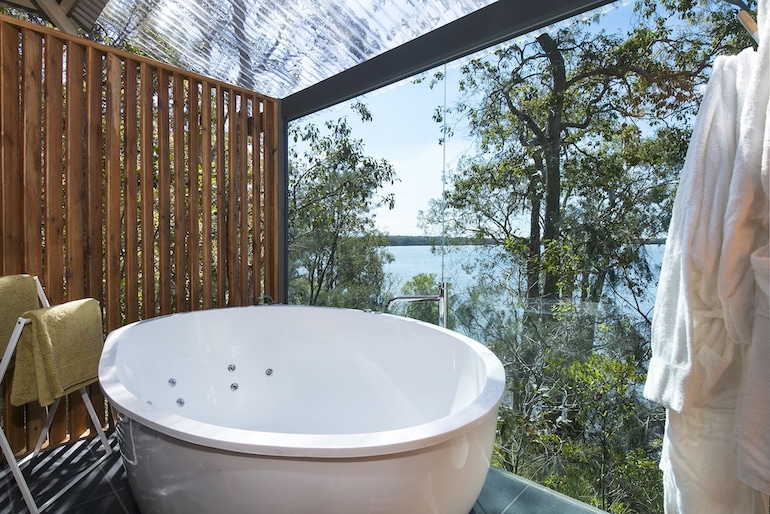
x=536, y=179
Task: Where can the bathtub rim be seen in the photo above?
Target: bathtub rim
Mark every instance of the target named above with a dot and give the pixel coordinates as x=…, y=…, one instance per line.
x=305, y=445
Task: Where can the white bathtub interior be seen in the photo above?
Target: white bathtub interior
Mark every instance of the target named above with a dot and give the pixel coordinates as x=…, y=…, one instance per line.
x=315, y=377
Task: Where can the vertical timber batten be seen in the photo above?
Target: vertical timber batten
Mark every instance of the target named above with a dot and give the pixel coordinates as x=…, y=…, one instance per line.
x=116, y=175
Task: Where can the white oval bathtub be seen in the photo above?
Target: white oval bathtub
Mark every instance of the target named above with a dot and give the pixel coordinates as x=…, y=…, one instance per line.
x=289, y=409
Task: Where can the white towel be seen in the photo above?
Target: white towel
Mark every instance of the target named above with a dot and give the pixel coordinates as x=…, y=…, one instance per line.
x=690, y=350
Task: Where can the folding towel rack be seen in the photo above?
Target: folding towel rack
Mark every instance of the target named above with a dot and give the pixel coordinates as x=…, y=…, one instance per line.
x=15, y=465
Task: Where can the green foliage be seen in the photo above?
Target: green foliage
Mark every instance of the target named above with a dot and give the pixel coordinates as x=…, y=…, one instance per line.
x=421, y=284
x=335, y=253
x=25, y=15
x=573, y=417
x=431, y=241
x=603, y=393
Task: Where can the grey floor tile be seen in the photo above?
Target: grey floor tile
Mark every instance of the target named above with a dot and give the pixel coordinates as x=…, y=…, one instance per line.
x=499, y=492
x=104, y=490
x=537, y=499
x=532, y=500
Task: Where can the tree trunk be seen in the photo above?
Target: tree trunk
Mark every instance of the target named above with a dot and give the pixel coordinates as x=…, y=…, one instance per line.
x=552, y=157
x=533, y=249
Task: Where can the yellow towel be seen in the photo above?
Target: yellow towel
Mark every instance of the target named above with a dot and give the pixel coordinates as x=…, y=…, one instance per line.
x=18, y=294
x=58, y=353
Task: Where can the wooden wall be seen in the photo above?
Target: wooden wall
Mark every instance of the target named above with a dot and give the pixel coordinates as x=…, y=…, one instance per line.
x=149, y=188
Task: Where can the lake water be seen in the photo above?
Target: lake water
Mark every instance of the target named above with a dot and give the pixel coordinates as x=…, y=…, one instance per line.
x=413, y=260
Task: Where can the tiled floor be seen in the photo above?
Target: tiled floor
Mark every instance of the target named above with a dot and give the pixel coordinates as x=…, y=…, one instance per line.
x=505, y=493
x=105, y=490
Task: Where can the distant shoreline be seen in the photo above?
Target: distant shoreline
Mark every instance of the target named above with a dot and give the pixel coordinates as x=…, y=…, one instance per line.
x=459, y=241
x=434, y=241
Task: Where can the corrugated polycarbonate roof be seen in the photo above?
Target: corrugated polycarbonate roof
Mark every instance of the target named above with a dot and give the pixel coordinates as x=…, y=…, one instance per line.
x=272, y=46
x=85, y=12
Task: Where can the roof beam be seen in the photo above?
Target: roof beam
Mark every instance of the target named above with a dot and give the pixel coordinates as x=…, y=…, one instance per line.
x=24, y=4
x=496, y=23
x=57, y=15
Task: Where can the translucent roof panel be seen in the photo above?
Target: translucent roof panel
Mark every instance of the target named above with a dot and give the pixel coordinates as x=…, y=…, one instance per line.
x=272, y=46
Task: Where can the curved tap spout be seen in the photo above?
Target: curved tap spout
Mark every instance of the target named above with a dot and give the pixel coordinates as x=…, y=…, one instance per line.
x=441, y=298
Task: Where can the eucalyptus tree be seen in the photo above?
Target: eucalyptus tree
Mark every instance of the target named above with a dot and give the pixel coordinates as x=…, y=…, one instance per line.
x=580, y=135
x=336, y=254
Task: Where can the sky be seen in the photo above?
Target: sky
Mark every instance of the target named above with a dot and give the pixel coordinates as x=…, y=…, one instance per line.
x=403, y=133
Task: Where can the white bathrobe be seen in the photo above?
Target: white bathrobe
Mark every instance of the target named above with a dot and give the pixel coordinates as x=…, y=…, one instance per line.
x=747, y=208
x=690, y=348
x=695, y=370
x=753, y=420
x=744, y=278
x=707, y=310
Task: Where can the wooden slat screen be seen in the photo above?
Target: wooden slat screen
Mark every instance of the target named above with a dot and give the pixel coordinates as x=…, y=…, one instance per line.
x=141, y=185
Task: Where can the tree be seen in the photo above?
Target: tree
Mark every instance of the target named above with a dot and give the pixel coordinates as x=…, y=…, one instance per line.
x=580, y=137
x=336, y=255
x=561, y=121
x=572, y=420
x=601, y=391
x=28, y=16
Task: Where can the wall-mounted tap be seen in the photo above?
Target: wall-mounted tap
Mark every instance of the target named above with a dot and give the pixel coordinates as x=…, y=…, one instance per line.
x=441, y=298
